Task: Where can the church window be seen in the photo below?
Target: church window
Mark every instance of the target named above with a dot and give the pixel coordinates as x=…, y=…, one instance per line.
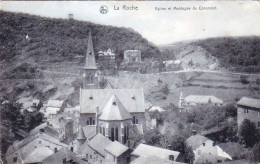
x=71, y=149
x=116, y=138
x=112, y=134
x=104, y=133
x=124, y=135
x=100, y=130
x=94, y=122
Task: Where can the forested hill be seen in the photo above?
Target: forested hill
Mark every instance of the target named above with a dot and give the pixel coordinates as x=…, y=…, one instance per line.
x=235, y=53
x=24, y=37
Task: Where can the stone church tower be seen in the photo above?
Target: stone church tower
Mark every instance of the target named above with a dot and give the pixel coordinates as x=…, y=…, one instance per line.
x=90, y=77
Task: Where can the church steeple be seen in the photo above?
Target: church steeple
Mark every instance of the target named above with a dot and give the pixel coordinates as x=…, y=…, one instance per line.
x=90, y=62
x=90, y=80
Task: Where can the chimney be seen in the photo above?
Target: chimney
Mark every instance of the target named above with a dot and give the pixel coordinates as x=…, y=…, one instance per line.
x=169, y=147
x=194, y=132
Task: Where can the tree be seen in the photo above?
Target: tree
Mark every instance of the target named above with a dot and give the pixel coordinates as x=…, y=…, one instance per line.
x=256, y=152
x=32, y=120
x=249, y=133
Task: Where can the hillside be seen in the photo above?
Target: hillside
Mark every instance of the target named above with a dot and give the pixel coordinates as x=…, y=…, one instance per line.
x=30, y=38
x=239, y=54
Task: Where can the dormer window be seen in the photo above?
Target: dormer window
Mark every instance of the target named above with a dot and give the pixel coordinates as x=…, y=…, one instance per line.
x=114, y=102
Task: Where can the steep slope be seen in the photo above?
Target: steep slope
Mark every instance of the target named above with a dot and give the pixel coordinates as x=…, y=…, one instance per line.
x=32, y=38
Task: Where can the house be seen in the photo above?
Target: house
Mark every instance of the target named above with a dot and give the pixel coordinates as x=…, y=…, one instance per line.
x=147, y=150
x=53, y=108
x=59, y=127
x=193, y=100
x=33, y=149
x=195, y=141
x=107, y=59
x=132, y=56
x=209, y=150
x=156, y=108
x=209, y=158
x=64, y=156
x=117, y=153
x=248, y=108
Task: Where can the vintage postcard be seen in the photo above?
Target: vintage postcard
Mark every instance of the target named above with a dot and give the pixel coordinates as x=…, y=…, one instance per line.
x=129, y=82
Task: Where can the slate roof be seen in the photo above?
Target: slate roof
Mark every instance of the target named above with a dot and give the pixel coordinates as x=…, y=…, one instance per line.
x=202, y=99
x=55, y=103
x=18, y=145
x=233, y=149
x=147, y=150
x=116, y=148
x=90, y=62
x=89, y=131
x=131, y=99
x=196, y=140
x=249, y=102
x=114, y=110
x=38, y=155
x=58, y=122
x=99, y=143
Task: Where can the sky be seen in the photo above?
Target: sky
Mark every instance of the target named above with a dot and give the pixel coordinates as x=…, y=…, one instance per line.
x=228, y=18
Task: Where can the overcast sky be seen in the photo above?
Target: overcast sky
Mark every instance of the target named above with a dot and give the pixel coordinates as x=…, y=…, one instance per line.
x=232, y=18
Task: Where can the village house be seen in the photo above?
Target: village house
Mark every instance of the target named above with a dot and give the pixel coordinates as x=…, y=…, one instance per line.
x=132, y=56
x=193, y=100
x=107, y=59
x=33, y=149
x=59, y=127
x=53, y=108
x=248, y=108
x=144, y=150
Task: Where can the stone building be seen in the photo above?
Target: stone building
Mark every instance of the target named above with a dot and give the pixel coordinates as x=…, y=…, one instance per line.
x=107, y=59
x=132, y=56
x=248, y=108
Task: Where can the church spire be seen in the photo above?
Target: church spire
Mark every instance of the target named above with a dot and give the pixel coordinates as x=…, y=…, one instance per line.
x=90, y=77
x=90, y=62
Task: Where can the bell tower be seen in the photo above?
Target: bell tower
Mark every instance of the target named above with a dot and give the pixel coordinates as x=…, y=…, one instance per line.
x=90, y=77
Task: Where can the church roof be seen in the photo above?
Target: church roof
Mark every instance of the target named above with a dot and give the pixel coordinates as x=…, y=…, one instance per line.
x=131, y=99
x=114, y=110
x=90, y=56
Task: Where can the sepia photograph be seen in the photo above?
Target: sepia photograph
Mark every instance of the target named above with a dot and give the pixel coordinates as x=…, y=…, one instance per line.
x=129, y=82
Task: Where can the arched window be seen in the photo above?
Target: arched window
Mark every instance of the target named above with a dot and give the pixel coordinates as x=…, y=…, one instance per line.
x=90, y=120
x=104, y=132
x=116, y=138
x=112, y=134
x=124, y=135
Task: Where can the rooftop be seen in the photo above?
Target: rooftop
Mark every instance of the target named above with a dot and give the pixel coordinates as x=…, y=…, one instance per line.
x=147, y=150
x=196, y=140
x=249, y=102
x=99, y=143
x=55, y=103
x=116, y=148
x=38, y=154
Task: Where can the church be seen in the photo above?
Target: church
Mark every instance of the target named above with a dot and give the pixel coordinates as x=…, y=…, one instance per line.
x=114, y=113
